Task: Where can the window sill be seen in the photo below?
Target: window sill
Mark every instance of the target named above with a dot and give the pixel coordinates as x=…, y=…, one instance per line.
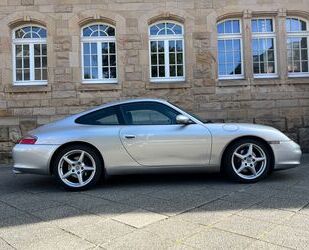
x=232, y=82
x=98, y=86
x=168, y=84
x=27, y=88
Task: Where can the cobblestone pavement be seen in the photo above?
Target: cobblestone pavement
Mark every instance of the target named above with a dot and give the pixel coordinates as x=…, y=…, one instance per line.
x=198, y=211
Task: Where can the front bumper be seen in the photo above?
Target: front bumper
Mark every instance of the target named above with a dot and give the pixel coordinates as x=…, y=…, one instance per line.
x=287, y=155
x=32, y=159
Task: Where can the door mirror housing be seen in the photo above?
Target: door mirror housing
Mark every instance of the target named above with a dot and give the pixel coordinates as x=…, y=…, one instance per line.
x=182, y=119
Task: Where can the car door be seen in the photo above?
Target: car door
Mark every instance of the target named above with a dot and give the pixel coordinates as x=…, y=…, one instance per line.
x=153, y=138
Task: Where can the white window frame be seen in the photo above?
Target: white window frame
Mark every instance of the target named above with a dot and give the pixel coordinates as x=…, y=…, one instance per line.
x=30, y=42
x=98, y=40
x=232, y=36
x=299, y=34
x=166, y=39
x=266, y=35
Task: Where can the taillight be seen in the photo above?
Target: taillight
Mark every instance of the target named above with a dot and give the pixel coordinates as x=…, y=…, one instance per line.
x=29, y=139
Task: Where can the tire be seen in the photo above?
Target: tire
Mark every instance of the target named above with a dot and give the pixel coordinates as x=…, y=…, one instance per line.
x=77, y=167
x=247, y=161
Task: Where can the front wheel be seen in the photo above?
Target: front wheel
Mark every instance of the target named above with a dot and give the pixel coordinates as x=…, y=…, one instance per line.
x=247, y=161
x=77, y=167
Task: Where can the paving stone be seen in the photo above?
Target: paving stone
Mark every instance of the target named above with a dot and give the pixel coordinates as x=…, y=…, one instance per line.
x=174, y=228
x=100, y=232
x=217, y=239
x=267, y=214
x=289, y=204
x=7, y=211
x=139, y=239
x=261, y=245
x=288, y=237
x=244, y=226
x=298, y=221
x=4, y=245
x=139, y=218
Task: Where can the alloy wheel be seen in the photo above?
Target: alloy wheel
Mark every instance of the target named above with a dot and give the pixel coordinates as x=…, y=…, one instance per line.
x=249, y=161
x=76, y=168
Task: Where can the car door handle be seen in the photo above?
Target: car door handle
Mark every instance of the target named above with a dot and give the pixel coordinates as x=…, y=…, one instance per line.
x=129, y=136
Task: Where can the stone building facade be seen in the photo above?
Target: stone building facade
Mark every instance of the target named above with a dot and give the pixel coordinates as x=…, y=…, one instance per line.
x=278, y=97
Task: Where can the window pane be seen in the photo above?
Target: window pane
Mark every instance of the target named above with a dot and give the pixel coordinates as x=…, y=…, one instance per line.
x=19, y=76
x=112, y=60
x=93, y=48
x=236, y=44
x=254, y=25
x=236, y=28
x=37, y=49
x=271, y=67
x=26, y=74
x=154, y=30
x=113, y=72
x=44, y=61
x=87, y=60
x=37, y=74
x=172, y=58
x=161, y=71
x=18, y=50
x=269, y=25
x=220, y=28
x=37, y=62
x=26, y=62
x=222, y=70
x=304, y=54
x=179, y=58
x=19, y=62
x=154, y=71
x=112, y=48
x=105, y=72
x=172, y=46
x=305, y=66
x=106, y=116
x=44, y=74
x=87, y=73
x=229, y=45
x=161, y=59
x=154, y=60
x=94, y=60
x=86, y=48
x=153, y=46
x=179, y=46
x=228, y=27
x=173, y=71
x=160, y=46
x=104, y=48
x=179, y=70
x=94, y=72
x=25, y=50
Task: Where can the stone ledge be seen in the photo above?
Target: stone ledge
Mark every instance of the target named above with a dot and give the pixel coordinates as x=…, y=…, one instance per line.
x=99, y=87
x=168, y=85
x=27, y=89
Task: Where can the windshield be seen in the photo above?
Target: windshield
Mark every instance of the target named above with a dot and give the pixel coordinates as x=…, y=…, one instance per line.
x=190, y=113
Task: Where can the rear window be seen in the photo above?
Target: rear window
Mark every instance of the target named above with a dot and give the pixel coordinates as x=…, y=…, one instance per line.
x=105, y=116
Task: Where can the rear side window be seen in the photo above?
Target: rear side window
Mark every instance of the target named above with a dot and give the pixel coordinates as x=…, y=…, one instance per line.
x=105, y=116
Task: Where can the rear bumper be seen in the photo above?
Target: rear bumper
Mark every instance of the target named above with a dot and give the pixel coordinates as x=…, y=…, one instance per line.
x=32, y=159
x=287, y=155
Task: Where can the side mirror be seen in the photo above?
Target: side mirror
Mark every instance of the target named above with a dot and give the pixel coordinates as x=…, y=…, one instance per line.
x=182, y=119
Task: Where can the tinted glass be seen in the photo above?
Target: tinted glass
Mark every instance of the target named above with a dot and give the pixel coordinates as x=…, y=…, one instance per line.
x=105, y=116
x=149, y=113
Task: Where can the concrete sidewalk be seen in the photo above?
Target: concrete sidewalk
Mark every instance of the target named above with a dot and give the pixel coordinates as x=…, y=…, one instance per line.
x=198, y=211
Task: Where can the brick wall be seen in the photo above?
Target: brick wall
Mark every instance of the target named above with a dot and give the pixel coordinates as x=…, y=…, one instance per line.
x=282, y=102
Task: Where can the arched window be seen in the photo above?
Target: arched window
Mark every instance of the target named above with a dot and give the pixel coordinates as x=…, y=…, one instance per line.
x=297, y=46
x=99, y=64
x=264, y=47
x=230, y=60
x=166, y=45
x=30, y=55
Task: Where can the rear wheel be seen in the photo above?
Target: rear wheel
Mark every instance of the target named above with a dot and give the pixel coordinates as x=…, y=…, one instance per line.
x=247, y=160
x=77, y=167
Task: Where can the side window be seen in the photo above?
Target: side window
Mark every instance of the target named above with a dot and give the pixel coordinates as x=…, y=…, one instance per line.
x=105, y=116
x=147, y=113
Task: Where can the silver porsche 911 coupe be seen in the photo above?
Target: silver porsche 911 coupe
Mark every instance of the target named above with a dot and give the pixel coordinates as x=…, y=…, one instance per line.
x=150, y=135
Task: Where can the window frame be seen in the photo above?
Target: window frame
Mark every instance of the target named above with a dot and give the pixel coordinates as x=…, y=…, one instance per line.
x=166, y=39
x=98, y=40
x=231, y=36
x=265, y=35
x=31, y=42
x=297, y=34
